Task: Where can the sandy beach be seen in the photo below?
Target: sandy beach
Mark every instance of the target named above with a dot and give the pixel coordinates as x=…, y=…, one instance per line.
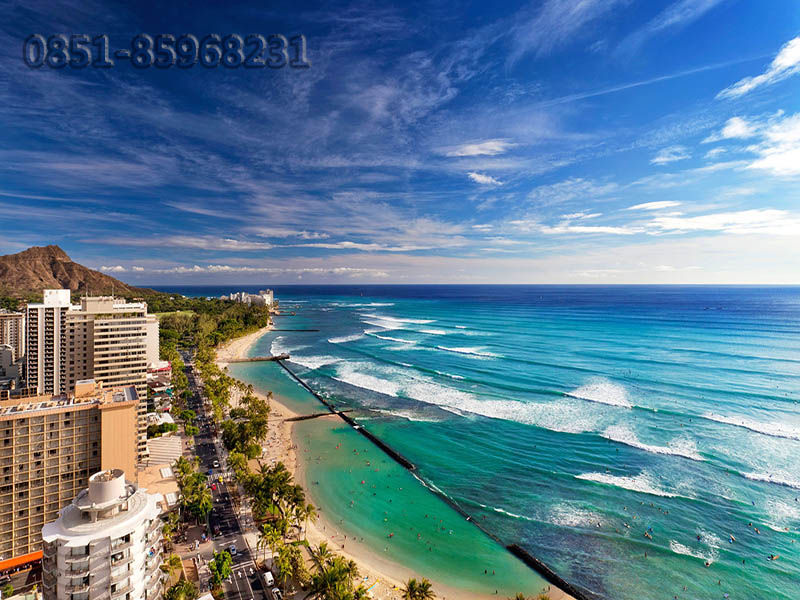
x=382, y=576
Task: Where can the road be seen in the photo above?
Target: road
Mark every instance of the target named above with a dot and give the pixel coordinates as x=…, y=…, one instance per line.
x=246, y=582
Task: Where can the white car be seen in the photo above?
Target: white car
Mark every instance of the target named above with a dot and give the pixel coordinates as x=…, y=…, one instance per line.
x=216, y=464
x=276, y=594
x=269, y=578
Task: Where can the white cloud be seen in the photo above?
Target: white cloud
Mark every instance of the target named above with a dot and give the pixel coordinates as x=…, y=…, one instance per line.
x=756, y=221
x=734, y=128
x=779, y=150
x=675, y=16
x=555, y=24
x=203, y=242
x=785, y=64
x=714, y=152
x=113, y=269
x=567, y=228
x=671, y=154
x=580, y=215
x=570, y=189
x=654, y=205
x=486, y=148
x=483, y=179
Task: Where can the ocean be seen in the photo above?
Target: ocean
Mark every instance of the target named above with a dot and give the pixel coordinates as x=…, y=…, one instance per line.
x=637, y=439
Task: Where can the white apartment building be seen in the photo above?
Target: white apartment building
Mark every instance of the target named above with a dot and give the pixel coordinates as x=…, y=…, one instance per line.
x=102, y=338
x=106, y=545
x=46, y=343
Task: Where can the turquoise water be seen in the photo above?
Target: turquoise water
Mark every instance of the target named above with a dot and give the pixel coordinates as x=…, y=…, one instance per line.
x=574, y=421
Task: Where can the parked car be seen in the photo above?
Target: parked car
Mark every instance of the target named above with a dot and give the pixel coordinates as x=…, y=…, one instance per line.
x=214, y=486
x=232, y=550
x=276, y=594
x=269, y=578
x=216, y=464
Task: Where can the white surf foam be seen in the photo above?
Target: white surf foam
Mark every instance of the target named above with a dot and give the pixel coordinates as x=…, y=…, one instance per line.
x=279, y=346
x=602, y=391
x=567, y=515
x=776, y=478
x=679, y=548
x=392, y=339
x=477, y=351
x=433, y=331
x=346, y=338
x=397, y=319
x=461, y=326
x=313, y=362
x=643, y=482
x=680, y=447
x=771, y=429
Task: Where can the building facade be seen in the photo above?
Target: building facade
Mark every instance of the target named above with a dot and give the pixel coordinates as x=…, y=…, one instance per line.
x=105, y=545
x=10, y=371
x=49, y=445
x=12, y=332
x=103, y=338
x=46, y=343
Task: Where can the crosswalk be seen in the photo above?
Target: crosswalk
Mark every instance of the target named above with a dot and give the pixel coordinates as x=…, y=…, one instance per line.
x=164, y=450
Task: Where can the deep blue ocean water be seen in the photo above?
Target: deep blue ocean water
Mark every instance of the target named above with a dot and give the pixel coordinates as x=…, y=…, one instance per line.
x=590, y=424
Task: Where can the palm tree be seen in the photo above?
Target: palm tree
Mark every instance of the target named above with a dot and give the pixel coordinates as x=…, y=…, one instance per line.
x=418, y=590
x=519, y=596
x=322, y=554
x=172, y=565
x=309, y=514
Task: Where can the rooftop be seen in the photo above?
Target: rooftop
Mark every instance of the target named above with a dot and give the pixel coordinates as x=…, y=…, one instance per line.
x=36, y=404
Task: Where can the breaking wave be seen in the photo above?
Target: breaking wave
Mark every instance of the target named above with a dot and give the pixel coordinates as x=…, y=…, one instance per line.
x=777, y=479
x=602, y=391
x=681, y=447
x=771, y=429
x=346, y=338
x=642, y=482
x=479, y=351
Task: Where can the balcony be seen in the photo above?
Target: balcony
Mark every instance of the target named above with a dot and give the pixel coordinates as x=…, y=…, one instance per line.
x=116, y=578
x=75, y=557
x=119, y=592
x=77, y=569
x=119, y=545
x=124, y=560
x=76, y=588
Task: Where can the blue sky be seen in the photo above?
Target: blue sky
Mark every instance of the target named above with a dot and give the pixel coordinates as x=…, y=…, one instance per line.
x=555, y=141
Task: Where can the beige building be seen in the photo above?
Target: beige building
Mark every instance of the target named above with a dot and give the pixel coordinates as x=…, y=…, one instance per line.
x=49, y=445
x=106, y=544
x=103, y=338
x=12, y=332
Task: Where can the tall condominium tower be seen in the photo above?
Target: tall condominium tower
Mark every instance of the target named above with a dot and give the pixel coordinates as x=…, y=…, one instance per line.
x=103, y=338
x=49, y=445
x=12, y=332
x=46, y=343
x=106, y=545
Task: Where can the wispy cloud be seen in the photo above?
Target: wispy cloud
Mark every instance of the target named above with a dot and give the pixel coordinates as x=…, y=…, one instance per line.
x=483, y=179
x=554, y=24
x=571, y=189
x=675, y=16
x=200, y=242
x=785, y=64
x=654, y=205
x=485, y=148
x=755, y=221
x=669, y=155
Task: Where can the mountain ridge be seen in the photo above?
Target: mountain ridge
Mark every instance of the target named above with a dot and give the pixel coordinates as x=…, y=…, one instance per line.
x=49, y=267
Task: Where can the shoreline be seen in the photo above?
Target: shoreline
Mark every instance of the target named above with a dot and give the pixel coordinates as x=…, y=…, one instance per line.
x=385, y=576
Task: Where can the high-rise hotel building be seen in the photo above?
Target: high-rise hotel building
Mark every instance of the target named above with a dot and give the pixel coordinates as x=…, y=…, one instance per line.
x=49, y=445
x=105, y=545
x=12, y=332
x=103, y=338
